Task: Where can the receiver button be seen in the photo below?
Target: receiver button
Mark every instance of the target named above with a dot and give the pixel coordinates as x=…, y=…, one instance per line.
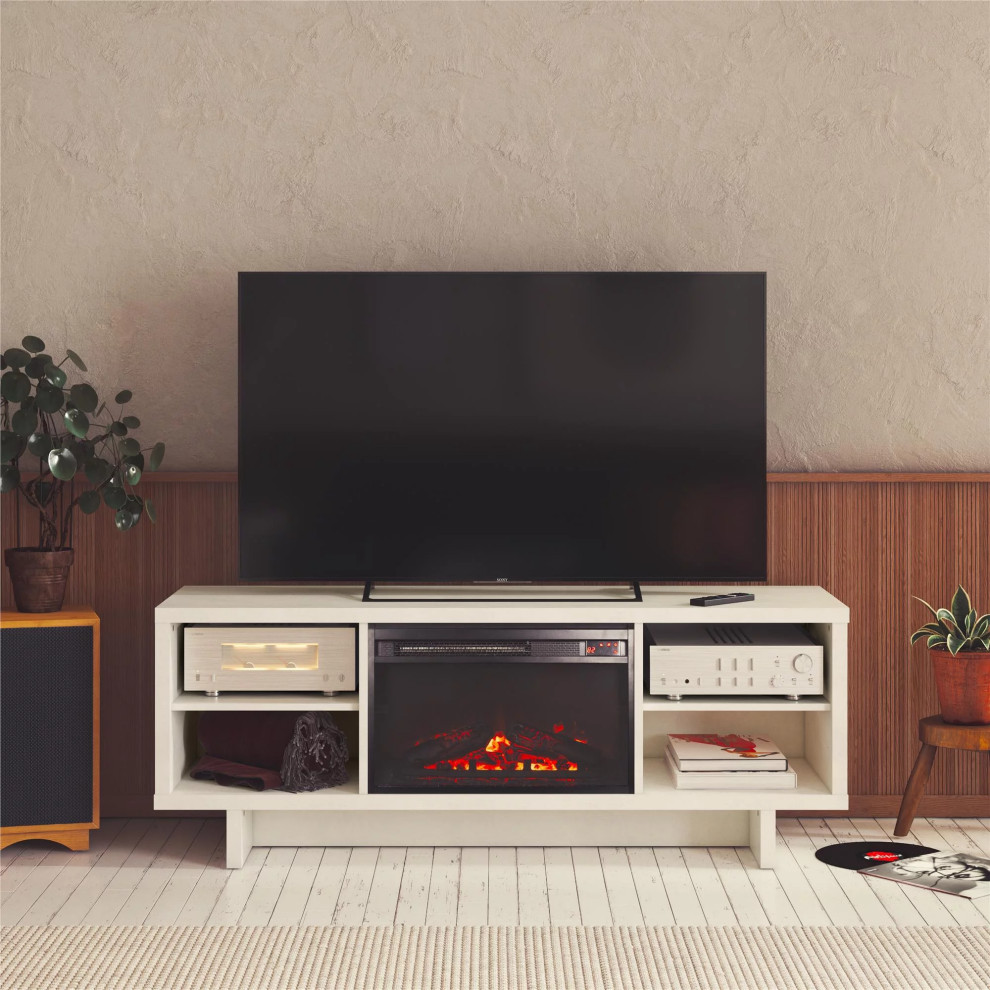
x=803, y=663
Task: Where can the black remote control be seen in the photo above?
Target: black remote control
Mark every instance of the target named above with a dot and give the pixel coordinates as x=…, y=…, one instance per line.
x=735, y=596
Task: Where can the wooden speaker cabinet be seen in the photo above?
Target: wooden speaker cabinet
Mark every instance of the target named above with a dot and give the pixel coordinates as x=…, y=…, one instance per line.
x=50, y=727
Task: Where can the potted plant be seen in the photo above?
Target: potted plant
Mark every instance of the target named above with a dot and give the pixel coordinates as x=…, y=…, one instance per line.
x=76, y=438
x=959, y=644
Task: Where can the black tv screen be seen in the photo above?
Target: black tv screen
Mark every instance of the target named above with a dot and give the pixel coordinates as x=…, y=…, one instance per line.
x=465, y=426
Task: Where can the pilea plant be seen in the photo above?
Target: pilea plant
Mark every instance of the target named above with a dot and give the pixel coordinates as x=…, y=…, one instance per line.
x=85, y=452
x=958, y=628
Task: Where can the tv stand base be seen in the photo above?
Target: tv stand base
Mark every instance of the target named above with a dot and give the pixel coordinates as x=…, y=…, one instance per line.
x=245, y=829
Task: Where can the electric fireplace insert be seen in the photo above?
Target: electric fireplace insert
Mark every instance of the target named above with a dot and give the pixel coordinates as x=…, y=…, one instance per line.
x=509, y=708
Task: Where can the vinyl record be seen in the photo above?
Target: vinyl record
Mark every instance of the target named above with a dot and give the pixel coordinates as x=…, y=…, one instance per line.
x=860, y=855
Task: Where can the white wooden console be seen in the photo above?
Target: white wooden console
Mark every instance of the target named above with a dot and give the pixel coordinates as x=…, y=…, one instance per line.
x=811, y=731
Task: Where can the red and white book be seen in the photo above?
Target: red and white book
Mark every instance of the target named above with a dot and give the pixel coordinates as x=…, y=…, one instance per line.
x=708, y=780
x=725, y=752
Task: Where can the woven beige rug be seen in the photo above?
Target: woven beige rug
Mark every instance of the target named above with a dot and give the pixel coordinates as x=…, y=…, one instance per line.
x=99, y=958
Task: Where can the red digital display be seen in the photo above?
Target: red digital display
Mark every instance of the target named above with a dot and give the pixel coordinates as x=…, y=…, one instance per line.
x=607, y=648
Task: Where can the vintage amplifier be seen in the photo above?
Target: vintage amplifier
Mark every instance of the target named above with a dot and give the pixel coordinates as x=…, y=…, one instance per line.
x=743, y=659
x=270, y=658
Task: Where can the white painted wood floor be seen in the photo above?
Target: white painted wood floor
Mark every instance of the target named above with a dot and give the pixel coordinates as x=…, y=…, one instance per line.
x=171, y=872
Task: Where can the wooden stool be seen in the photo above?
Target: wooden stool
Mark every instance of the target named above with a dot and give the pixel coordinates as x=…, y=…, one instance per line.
x=935, y=733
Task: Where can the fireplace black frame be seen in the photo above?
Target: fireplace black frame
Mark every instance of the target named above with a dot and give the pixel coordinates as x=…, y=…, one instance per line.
x=533, y=631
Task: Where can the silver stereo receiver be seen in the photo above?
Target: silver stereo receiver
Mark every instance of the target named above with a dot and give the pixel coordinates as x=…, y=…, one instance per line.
x=270, y=658
x=743, y=659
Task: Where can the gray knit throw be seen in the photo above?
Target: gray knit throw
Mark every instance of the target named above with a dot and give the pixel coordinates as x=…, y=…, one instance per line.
x=316, y=756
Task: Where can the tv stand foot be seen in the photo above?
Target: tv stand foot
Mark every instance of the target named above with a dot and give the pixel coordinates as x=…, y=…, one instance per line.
x=763, y=837
x=240, y=837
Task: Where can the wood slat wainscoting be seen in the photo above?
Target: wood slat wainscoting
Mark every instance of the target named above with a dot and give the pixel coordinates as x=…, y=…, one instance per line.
x=873, y=540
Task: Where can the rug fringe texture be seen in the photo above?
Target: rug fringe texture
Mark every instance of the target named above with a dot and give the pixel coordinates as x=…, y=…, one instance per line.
x=494, y=958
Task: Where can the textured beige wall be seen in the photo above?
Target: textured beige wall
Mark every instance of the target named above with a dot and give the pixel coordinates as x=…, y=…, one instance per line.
x=150, y=151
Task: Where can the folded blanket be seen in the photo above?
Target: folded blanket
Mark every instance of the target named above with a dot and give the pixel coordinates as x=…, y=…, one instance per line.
x=231, y=774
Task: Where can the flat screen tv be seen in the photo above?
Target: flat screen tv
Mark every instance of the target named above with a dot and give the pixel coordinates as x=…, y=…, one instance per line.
x=510, y=426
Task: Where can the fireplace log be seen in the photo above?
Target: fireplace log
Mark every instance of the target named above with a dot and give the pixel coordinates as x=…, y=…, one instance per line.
x=450, y=745
x=538, y=741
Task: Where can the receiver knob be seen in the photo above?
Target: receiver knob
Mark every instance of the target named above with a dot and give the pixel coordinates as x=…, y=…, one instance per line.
x=803, y=663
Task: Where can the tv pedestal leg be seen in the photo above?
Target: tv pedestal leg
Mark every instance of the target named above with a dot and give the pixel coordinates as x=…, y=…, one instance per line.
x=763, y=837
x=240, y=837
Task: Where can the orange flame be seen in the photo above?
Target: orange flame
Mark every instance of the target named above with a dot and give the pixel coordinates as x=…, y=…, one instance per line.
x=496, y=743
x=504, y=757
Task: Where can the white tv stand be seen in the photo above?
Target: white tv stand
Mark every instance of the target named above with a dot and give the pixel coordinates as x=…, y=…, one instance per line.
x=811, y=731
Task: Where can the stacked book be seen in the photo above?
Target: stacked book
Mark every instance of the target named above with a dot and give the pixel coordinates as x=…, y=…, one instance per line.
x=727, y=760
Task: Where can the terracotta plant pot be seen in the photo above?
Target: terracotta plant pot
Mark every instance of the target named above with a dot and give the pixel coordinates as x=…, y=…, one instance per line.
x=38, y=577
x=963, y=684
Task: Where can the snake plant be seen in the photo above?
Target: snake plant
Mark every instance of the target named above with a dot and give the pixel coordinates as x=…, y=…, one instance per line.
x=957, y=628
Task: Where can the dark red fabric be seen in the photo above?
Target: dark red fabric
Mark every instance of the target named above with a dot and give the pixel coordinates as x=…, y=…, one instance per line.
x=256, y=739
x=234, y=774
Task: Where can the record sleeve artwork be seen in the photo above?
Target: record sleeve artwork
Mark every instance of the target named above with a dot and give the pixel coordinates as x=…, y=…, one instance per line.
x=946, y=872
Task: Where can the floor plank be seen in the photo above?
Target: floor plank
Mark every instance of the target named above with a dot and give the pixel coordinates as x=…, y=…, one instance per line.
x=356, y=888
x=235, y=892
x=957, y=838
x=384, y=897
x=534, y=901
x=149, y=887
x=195, y=911
x=123, y=880
x=267, y=888
x=773, y=898
x=799, y=891
x=414, y=891
x=742, y=896
x=590, y=880
x=472, y=895
x=183, y=882
x=503, y=886
x=293, y=897
x=32, y=855
x=322, y=901
x=650, y=890
x=679, y=886
x=623, y=898
x=974, y=831
x=561, y=886
x=441, y=908
x=708, y=885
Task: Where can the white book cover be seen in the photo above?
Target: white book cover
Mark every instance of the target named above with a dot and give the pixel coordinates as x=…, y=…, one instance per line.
x=948, y=872
x=755, y=780
x=725, y=751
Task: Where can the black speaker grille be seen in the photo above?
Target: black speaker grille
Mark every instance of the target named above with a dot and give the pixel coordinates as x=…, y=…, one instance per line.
x=46, y=725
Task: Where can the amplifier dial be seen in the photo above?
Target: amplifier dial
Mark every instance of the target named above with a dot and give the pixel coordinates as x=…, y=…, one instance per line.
x=803, y=663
